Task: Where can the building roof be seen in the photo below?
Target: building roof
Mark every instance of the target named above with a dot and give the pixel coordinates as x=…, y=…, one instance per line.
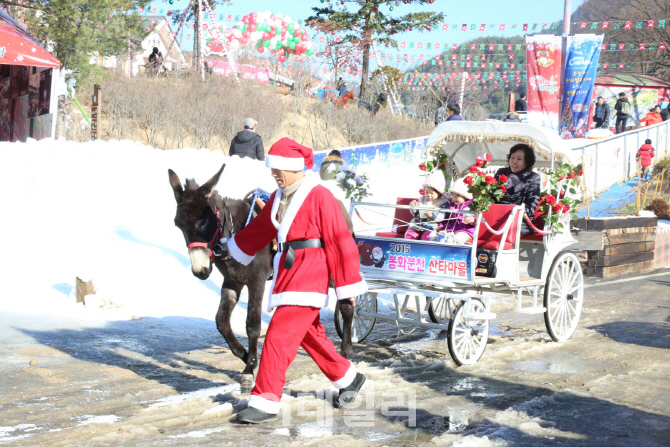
x=14, y=52
x=631, y=79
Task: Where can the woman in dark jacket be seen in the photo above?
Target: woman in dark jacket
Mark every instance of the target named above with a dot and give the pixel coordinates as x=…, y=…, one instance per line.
x=523, y=185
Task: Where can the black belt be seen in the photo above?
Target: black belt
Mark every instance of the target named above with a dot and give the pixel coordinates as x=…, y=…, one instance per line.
x=290, y=247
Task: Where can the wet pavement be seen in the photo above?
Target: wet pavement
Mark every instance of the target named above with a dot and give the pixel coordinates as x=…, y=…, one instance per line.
x=158, y=381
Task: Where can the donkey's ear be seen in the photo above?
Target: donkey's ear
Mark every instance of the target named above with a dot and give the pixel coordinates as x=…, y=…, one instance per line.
x=208, y=187
x=176, y=185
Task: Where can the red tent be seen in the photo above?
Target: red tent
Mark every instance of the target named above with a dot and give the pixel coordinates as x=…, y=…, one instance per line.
x=17, y=47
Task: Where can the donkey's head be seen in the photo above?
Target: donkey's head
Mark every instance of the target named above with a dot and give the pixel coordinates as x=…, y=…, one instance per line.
x=197, y=220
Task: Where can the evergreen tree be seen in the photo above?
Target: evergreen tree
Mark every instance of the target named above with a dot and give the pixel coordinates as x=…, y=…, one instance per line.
x=74, y=30
x=369, y=24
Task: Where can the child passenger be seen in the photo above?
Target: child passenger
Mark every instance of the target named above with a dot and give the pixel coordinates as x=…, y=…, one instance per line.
x=425, y=223
x=458, y=228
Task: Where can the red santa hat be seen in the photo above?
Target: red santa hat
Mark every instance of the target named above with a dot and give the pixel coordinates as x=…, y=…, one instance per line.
x=288, y=155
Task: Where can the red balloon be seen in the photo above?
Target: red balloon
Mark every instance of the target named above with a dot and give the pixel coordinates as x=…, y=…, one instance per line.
x=273, y=34
x=245, y=19
x=246, y=34
x=244, y=40
x=272, y=17
x=282, y=59
x=296, y=32
x=261, y=49
x=265, y=36
x=252, y=27
x=304, y=37
x=252, y=15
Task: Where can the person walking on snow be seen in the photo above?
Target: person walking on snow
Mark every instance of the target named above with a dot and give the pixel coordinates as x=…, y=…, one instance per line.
x=644, y=156
x=314, y=245
x=622, y=108
x=248, y=143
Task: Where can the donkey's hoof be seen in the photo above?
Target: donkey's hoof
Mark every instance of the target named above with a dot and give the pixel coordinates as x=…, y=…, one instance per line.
x=246, y=382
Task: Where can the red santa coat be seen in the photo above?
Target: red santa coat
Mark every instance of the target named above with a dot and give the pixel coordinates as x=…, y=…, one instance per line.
x=313, y=213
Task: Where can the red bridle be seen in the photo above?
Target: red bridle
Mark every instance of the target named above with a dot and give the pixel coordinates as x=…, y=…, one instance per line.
x=208, y=245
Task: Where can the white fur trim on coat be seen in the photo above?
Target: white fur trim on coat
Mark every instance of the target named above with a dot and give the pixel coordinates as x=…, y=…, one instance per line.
x=238, y=254
x=260, y=403
x=310, y=299
x=284, y=163
x=351, y=290
x=348, y=378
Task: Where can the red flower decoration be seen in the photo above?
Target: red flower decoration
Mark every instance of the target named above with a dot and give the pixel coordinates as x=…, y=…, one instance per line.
x=472, y=169
x=442, y=166
x=490, y=180
x=572, y=175
x=566, y=208
x=562, y=194
x=503, y=178
x=480, y=163
x=422, y=167
x=503, y=189
x=481, y=174
x=422, y=192
x=580, y=173
x=561, y=178
x=557, y=208
x=551, y=200
x=487, y=157
x=468, y=180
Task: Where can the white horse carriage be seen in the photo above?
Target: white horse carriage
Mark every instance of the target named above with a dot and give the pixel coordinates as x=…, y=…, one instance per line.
x=451, y=286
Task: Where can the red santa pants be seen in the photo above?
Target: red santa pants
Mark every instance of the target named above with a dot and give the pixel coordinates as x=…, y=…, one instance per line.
x=292, y=327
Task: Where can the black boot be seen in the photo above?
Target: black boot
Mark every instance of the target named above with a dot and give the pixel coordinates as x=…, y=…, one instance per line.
x=253, y=415
x=348, y=395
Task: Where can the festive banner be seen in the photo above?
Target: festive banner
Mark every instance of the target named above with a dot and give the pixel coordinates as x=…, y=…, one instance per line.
x=261, y=75
x=543, y=65
x=581, y=64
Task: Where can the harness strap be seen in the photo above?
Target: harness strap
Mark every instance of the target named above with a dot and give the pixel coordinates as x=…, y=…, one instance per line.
x=290, y=247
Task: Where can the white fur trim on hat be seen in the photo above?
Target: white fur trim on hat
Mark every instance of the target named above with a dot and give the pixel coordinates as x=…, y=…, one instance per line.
x=436, y=181
x=284, y=163
x=459, y=187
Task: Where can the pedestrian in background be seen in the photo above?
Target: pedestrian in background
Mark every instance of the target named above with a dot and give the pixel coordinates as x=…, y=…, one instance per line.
x=520, y=104
x=331, y=165
x=622, y=108
x=247, y=143
x=601, y=116
x=454, y=113
x=644, y=156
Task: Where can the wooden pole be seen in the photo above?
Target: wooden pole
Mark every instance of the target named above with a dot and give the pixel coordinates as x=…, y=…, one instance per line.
x=96, y=103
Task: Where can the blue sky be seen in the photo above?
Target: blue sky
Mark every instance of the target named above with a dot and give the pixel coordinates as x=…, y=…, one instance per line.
x=455, y=11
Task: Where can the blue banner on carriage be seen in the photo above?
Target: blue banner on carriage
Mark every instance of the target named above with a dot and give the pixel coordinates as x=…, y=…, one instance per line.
x=581, y=65
x=430, y=260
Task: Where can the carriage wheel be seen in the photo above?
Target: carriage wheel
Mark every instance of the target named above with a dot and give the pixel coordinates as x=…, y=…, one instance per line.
x=563, y=297
x=467, y=336
x=360, y=326
x=440, y=310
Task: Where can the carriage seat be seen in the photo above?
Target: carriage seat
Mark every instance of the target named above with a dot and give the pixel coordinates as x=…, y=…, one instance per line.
x=401, y=218
x=538, y=221
x=496, y=217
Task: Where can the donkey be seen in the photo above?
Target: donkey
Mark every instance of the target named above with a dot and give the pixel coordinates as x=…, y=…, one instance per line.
x=204, y=216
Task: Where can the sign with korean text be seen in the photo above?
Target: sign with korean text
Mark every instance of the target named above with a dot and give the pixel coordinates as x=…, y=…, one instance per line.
x=409, y=258
x=543, y=67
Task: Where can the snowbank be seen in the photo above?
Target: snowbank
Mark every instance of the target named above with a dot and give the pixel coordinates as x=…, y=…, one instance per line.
x=104, y=211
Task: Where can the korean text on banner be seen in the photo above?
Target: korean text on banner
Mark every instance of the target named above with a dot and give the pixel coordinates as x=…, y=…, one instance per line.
x=543, y=60
x=581, y=65
x=260, y=75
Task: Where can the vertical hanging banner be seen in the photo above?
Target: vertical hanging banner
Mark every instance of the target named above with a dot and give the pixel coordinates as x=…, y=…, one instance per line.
x=543, y=65
x=581, y=65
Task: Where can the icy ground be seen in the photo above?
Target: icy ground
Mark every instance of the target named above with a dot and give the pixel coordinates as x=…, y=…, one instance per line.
x=142, y=363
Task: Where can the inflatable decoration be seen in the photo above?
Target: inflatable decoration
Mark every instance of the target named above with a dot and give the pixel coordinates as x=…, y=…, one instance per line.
x=267, y=31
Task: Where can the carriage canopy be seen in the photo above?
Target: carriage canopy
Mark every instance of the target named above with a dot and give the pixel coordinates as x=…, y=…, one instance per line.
x=464, y=141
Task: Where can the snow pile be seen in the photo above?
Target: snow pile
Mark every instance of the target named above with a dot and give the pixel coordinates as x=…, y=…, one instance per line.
x=104, y=211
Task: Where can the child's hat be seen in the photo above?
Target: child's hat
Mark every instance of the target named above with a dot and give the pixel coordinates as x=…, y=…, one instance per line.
x=459, y=187
x=436, y=181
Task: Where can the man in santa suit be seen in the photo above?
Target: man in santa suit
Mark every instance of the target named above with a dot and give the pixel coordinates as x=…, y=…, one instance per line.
x=314, y=244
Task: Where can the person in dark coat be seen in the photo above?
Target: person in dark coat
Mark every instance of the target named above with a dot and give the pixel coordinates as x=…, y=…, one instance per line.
x=248, y=143
x=341, y=88
x=665, y=113
x=523, y=185
x=622, y=108
x=331, y=165
x=520, y=104
x=512, y=117
x=155, y=60
x=454, y=113
x=601, y=114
